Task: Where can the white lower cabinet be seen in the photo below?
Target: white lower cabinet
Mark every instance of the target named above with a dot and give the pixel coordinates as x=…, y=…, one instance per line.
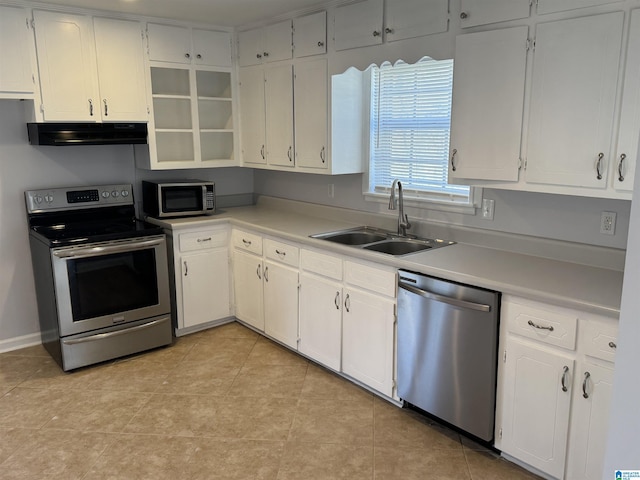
x=247, y=278
x=347, y=318
x=554, y=387
x=201, y=277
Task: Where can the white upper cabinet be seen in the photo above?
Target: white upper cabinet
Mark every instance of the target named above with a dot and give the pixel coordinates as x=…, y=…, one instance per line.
x=482, y=12
x=15, y=53
x=624, y=162
x=575, y=74
x=268, y=44
x=487, y=109
x=551, y=6
x=252, y=115
x=415, y=18
x=358, y=24
x=279, y=115
x=121, y=71
x=67, y=66
x=310, y=35
x=176, y=44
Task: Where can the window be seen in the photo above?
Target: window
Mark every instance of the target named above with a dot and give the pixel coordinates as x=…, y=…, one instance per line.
x=409, y=132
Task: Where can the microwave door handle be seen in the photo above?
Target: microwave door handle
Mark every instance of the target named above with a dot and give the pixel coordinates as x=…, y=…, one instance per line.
x=97, y=251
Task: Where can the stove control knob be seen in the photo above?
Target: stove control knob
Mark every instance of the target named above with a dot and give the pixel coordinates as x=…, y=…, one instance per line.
x=38, y=199
x=115, y=194
x=125, y=193
x=105, y=194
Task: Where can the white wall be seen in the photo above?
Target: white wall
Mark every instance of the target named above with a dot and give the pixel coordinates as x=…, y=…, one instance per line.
x=24, y=167
x=561, y=217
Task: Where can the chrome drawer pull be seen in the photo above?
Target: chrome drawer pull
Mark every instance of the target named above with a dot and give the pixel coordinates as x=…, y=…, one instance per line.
x=613, y=345
x=246, y=242
x=565, y=371
x=540, y=327
x=584, y=384
x=282, y=254
x=204, y=239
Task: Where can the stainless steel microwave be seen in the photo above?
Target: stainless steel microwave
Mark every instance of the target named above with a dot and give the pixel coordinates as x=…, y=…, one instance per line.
x=178, y=198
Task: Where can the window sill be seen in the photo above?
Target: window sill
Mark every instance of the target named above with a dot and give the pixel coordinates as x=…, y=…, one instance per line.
x=431, y=204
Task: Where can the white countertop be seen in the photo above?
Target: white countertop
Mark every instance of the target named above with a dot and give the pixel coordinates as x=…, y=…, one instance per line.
x=571, y=285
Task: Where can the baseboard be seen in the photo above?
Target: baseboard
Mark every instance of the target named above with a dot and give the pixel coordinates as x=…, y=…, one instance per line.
x=16, y=343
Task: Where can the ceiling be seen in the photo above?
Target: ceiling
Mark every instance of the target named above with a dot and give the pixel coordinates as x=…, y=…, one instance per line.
x=228, y=13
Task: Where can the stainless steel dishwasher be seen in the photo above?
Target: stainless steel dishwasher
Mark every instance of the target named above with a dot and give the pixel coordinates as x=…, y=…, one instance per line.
x=447, y=351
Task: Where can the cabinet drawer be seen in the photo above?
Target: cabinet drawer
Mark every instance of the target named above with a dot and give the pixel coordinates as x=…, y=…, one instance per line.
x=326, y=265
x=599, y=339
x=202, y=240
x=247, y=241
x=281, y=252
x=555, y=326
x=370, y=278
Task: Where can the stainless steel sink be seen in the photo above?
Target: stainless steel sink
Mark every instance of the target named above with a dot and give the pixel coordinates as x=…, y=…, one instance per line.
x=379, y=240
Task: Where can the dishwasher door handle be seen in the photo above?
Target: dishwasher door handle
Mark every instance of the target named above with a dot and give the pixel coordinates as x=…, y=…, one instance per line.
x=481, y=307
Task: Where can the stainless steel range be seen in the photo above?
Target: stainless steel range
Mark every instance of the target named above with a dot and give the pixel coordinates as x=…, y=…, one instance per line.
x=101, y=275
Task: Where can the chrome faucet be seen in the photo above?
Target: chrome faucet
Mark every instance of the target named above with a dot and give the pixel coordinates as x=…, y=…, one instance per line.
x=403, y=219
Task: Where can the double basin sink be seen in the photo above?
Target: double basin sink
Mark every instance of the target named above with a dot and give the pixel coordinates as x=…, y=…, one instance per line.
x=383, y=241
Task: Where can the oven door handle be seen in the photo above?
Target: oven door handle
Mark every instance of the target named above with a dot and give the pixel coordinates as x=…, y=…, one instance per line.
x=124, y=331
x=82, y=252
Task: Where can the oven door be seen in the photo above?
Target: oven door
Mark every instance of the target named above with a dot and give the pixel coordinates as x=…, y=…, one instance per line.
x=104, y=284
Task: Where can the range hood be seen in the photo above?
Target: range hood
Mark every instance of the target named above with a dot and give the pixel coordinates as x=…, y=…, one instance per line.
x=60, y=134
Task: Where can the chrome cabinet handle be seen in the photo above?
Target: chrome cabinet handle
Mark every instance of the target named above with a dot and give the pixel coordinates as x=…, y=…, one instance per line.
x=620, y=164
x=246, y=242
x=337, y=301
x=90, y=108
x=464, y=15
x=453, y=156
x=187, y=55
x=266, y=274
x=347, y=303
x=198, y=56
x=540, y=327
x=289, y=153
x=258, y=272
x=376, y=33
x=106, y=108
x=186, y=268
x=584, y=384
x=322, y=155
x=258, y=55
x=262, y=152
x=266, y=54
x=565, y=371
x=388, y=30
x=208, y=239
x=321, y=44
x=599, y=165
x=612, y=345
x=281, y=253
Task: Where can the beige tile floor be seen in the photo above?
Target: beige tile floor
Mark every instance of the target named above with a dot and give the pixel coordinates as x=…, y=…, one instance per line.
x=220, y=404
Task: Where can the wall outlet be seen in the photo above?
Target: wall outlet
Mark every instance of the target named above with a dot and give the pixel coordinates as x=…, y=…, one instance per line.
x=487, y=208
x=608, y=223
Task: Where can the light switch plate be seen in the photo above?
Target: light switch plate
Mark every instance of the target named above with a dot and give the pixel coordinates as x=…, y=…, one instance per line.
x=488, y=206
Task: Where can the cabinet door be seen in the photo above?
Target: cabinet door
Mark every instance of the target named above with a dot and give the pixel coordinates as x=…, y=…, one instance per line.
x=15, y=54
x=121, y=72
x=624, y=162
x=279, y=115
x=551, y=6
x=573, y=92
x=482, y=12
x=281, y=303
x=487, y=108
x=247, y=274
x=252, y=115
x=415, y=18
x=536, y=408
x=169, y=43
x=311, y=113
x=589, y=422
x=310, y=35
x=368, y=339
x=278, y=41
x=67, y=66
x=320, y=319
x=358, y=24
x=250, y=47
x=211, y=48
x=205, y=287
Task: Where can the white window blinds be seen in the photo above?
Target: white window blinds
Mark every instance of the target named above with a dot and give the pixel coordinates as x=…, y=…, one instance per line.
x=410, y=123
